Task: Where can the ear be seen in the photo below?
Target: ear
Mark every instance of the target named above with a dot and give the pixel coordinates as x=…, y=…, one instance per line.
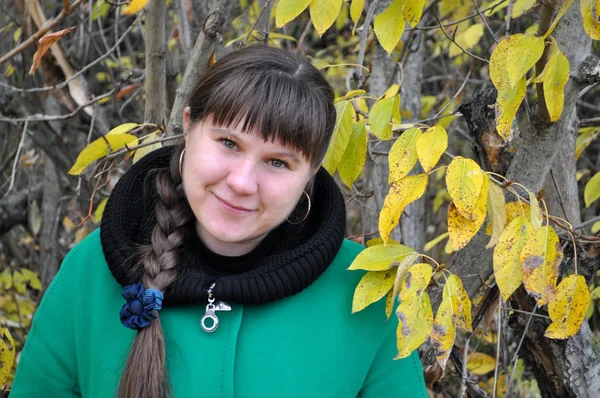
x=186, y=121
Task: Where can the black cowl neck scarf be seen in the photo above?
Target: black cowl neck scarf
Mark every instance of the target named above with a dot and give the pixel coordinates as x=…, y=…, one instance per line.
x=289, y=259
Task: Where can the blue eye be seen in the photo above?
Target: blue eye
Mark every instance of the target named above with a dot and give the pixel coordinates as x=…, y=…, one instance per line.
x=229, y=144
x=278, y=164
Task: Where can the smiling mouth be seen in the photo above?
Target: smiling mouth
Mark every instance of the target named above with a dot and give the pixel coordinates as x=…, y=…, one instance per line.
x=233, y=208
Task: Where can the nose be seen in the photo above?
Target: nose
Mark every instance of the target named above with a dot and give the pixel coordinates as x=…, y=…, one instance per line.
x=242, y=177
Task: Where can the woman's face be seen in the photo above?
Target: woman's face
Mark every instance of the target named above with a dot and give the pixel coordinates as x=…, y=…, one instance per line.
x=239, y=186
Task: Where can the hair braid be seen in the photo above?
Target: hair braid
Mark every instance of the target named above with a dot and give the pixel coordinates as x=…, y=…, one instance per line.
x=145, y=373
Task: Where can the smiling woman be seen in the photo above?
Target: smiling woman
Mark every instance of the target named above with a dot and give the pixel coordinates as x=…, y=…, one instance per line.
x=236, y=238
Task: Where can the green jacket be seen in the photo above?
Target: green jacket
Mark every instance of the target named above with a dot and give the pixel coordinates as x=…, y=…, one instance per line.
x=306, y=345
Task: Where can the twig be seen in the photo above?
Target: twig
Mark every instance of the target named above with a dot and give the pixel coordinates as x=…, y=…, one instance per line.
x=595, y=121
x=498, y=339
x=586, y=223
x=41, y=32
x=525, y=312
x=560, y=198
x=454, y=41
x=516, y=356
x=458, y=21
x=14, y=168
x=463, y=377
x=123, y=150
x=44, y=118
x=85, y=68
x=484, y=20
x=508, y=17
x=357, y=73
x=262, y=11
x=305, y=33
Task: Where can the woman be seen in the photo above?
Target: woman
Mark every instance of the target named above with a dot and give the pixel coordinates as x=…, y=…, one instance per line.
x=238, y=234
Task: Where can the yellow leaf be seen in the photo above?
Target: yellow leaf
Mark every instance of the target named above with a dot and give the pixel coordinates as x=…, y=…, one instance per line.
x=19, y=282
x=520, y=7
x=568, y=307
x=389, y=25
x=340, y=137
x=143, y=151
x=380, y=117
x=461, y=229
x=431, y=146
x=596, y=227
x=356, y=9
x=379, y=241
x=448, y=249
x=123, y=128
x=31, y=278
x=7, y=355
x=391, y=91
x=540, y=259
x=287, y=10
x=401, y=271
x=6, y=279
x=467, y=40
x=98, y=149
x=429, y=245
x=415, y=318
x=354, y=158
x=508, y=102
x=480, y=363
x=413, y=11
x=586, y=136
x=401, y=193
x=389, y=304
x=100, y=210
x=415, y=281
x=403, y=154
x=323, y=13
x=134, y=6
x=564, y=6
x=591, y=192
x=372, y=287
x=536, y=213
x=555, y=76
x=464, y=179
x=509, y=97
x=461, y=303
x=380, y=258
x=442, y=196
x=496, y=210
x=524, y=51
x=444, y=332
x=507, y=261
x=590, y=10
x=350, y=94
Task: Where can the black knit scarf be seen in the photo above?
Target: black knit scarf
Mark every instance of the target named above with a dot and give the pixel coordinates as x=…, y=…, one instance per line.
x=292, y=258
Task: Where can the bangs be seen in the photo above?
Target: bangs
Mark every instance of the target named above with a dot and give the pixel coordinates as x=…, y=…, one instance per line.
x=273, y=104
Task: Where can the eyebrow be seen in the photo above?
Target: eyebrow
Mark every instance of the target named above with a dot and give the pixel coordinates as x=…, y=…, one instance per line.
x=289, y=155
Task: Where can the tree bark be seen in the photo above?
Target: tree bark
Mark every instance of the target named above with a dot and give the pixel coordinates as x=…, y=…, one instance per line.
x=156, y=67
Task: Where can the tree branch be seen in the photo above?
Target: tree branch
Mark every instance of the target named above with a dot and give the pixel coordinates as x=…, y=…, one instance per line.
x=156, y=68
x=211, y=34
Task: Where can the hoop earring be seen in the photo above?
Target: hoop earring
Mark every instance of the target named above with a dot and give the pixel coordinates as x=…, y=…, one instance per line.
x=307, y=212
x=181, y=162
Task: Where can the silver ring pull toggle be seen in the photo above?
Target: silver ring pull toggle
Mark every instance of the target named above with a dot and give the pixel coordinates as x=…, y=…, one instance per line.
x=210, y=314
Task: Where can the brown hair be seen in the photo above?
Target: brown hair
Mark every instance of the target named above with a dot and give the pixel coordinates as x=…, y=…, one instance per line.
x=274, y=93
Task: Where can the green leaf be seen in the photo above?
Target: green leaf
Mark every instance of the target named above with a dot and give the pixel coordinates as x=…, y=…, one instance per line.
x=403, y=155
x=323, y=13
x=98, y=149
x=287, y=10
x=389, y=25
x=380, y=257
x=354, y=158
x=340, y=138
x=591, y=192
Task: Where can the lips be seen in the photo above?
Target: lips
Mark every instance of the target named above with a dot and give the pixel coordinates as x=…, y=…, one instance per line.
x=232, y=206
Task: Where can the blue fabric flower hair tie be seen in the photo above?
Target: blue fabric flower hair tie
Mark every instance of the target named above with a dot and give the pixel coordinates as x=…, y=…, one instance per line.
x=138, y=311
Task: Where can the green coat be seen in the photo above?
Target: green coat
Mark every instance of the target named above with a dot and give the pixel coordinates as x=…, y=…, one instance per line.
x=306, y=345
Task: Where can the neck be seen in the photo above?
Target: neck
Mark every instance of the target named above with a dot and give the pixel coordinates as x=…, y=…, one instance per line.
x=230, y=249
